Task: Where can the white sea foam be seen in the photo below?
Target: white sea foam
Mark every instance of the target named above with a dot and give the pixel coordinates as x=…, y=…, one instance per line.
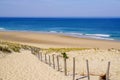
x=1, y=28
x=82, y=35
x=76, y=33
x=93, y=36
x=53, y=31
x=101, y=38
x=99, y=35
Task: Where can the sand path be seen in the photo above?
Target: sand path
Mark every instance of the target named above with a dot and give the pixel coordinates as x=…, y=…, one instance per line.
x=25, y=66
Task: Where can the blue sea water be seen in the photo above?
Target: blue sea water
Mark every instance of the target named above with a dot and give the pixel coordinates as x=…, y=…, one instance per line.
x=97, y=28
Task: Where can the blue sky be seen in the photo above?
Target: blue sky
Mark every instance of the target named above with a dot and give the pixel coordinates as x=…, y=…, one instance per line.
x=59, y=8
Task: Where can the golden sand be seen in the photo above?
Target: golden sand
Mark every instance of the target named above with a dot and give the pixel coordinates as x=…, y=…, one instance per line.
x=55, y=40
x=26, y=66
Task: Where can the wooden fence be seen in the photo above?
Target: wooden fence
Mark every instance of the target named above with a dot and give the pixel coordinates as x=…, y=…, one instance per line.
x=50, y=60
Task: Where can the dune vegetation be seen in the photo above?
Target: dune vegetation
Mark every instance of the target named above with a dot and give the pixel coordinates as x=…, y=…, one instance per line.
x=15, y=47
x=9, y=47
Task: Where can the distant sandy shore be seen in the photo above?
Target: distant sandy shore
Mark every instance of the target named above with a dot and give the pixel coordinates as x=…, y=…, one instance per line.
x=46, y=40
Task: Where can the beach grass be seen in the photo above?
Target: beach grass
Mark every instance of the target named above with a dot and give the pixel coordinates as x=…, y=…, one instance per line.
x=62, y=50
x=15, y=47
x=5, y=49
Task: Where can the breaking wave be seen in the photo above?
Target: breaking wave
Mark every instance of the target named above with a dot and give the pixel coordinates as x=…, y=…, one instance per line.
x=1, y=28
x=82, y=35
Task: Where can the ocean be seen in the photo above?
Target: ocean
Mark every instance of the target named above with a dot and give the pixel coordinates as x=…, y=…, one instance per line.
x=95, y=28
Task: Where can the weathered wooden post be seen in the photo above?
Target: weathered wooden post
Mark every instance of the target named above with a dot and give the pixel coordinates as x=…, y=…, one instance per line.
x=53, y=61
x=49, y=61
x=32, y=50
x=88, y=75
x=65, y=66
x=73, y=68
x=106, y=76
x=38, y=55
x=58, y=63
x=45, y=59
x=65, y=62
x=41, y=56
x=107, y=73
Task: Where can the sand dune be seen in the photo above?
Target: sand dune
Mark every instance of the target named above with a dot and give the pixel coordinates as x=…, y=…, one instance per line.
x=25, y=66
x=98, y=62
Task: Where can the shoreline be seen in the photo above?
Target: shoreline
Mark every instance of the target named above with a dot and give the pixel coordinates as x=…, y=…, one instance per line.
x=70, y=34
x=43, y=39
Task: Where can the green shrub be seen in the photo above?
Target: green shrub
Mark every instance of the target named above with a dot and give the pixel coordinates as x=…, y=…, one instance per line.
x=15, y=48
x=5, y=49
x=64, y=55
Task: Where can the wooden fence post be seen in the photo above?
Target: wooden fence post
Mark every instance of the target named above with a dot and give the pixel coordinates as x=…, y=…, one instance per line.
x=49, y=61
x=38, y=55
x=53, y=61
x=107, y=73
x=73, y=68
x=31, y=50
x=58, y=63
x=45, y=59
x=41, y=56
x=88, y=75
x=65, y=66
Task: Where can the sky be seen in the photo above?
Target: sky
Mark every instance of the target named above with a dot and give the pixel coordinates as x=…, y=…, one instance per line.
x=59, y=8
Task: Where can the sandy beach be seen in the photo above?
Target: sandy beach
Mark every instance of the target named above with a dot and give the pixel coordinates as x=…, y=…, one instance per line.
x=48, y=40
x=27, y=66
x=59, y=39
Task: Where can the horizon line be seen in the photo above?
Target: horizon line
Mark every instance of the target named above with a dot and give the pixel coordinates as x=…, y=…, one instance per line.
x=50, y=17
x=56, y=17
